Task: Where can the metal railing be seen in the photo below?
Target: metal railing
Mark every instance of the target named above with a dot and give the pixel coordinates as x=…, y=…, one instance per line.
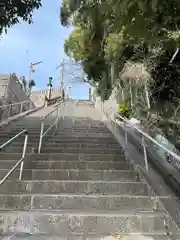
x=56, y=117
x=52, y=101
x=13, y=109
x=144, y=138
x=21, y=161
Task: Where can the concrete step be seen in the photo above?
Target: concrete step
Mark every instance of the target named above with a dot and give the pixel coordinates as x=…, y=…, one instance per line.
x=48, y=149
x=69, y=145
x=79, y=226
x=18, y=129
x=83, y=145
x=82, y=124
x=84, y=129
x=4, y=156
x=65, y=157
x=32, y=143
x=13, y=176
x=10, y=135
x=61, y=134
x=76, y=187
x=93, y=165
x=12, y=149
x=76, y=202
x=82, y=140
x=73, y=174
x=18, y=236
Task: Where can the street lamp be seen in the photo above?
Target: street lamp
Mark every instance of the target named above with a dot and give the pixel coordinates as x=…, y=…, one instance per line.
x=49, y=86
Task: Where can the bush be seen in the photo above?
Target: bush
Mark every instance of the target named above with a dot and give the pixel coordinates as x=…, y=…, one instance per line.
x=125, y=111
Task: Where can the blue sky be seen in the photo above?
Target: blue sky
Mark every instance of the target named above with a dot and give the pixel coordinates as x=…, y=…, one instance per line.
x=41, y=41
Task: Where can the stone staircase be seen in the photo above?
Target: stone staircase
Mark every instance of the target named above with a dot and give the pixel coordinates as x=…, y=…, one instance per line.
x=81, y=187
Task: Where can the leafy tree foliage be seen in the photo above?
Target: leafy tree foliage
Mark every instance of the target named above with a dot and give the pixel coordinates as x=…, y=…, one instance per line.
x=11, y=11
x=110, y=34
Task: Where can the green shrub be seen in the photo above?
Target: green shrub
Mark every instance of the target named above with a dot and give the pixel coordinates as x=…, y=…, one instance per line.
x=125, y=111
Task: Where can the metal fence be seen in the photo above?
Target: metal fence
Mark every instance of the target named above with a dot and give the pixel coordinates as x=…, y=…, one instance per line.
x=13, y=109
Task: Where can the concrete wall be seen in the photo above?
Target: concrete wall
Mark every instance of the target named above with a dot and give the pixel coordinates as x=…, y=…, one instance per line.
x=38, y=96
x=10, y=89
x=109, y=105
x=11, y=92
x=4, y=80
x=14, y=91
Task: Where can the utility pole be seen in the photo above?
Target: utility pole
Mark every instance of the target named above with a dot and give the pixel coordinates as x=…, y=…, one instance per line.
x=62, y=74
x=61, y=67
x=32, y=70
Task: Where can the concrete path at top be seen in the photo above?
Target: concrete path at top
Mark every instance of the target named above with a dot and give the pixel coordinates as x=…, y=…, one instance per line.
x=81, y=109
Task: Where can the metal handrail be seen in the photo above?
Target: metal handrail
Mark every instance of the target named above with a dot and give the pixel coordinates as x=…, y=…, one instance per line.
x=16, y=103
x=143, y=137
x=8, y=107
x=42, y=133
x=150, y=138
x=21, y=161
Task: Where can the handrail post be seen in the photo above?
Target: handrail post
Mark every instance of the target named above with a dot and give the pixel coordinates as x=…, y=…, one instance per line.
x=41, y=135
x=9, y=110
x=21, y=107
x=145, y=152
x=126, y=143
x=30, y=105
x=64, y=109
x=23, y=155
x=57, y=122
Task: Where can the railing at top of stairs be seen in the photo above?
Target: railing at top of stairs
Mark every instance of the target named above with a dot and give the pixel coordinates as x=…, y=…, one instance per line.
x=52, y=101
x=13, y=109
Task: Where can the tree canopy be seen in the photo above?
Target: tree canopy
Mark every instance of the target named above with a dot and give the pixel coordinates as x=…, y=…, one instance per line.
x=12, y=11
x=128, y=44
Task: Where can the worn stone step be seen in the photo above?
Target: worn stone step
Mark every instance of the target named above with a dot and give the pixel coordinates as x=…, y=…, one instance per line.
x=82, y=134
x=18, y=129
x=13, y=176
x=73, y=174
x=94, y=165
x=4, y=156
x=31, y=144
x=76, y=202
x=19, y=236
x=82, y=124
x=84, y=129
x=83, y=145
x=83, y=140
x=77, y=226
x=76, y=187
x=69, y=145
x=48, y=149
x=65, y=156
x=20, y=138
x=12, y=149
